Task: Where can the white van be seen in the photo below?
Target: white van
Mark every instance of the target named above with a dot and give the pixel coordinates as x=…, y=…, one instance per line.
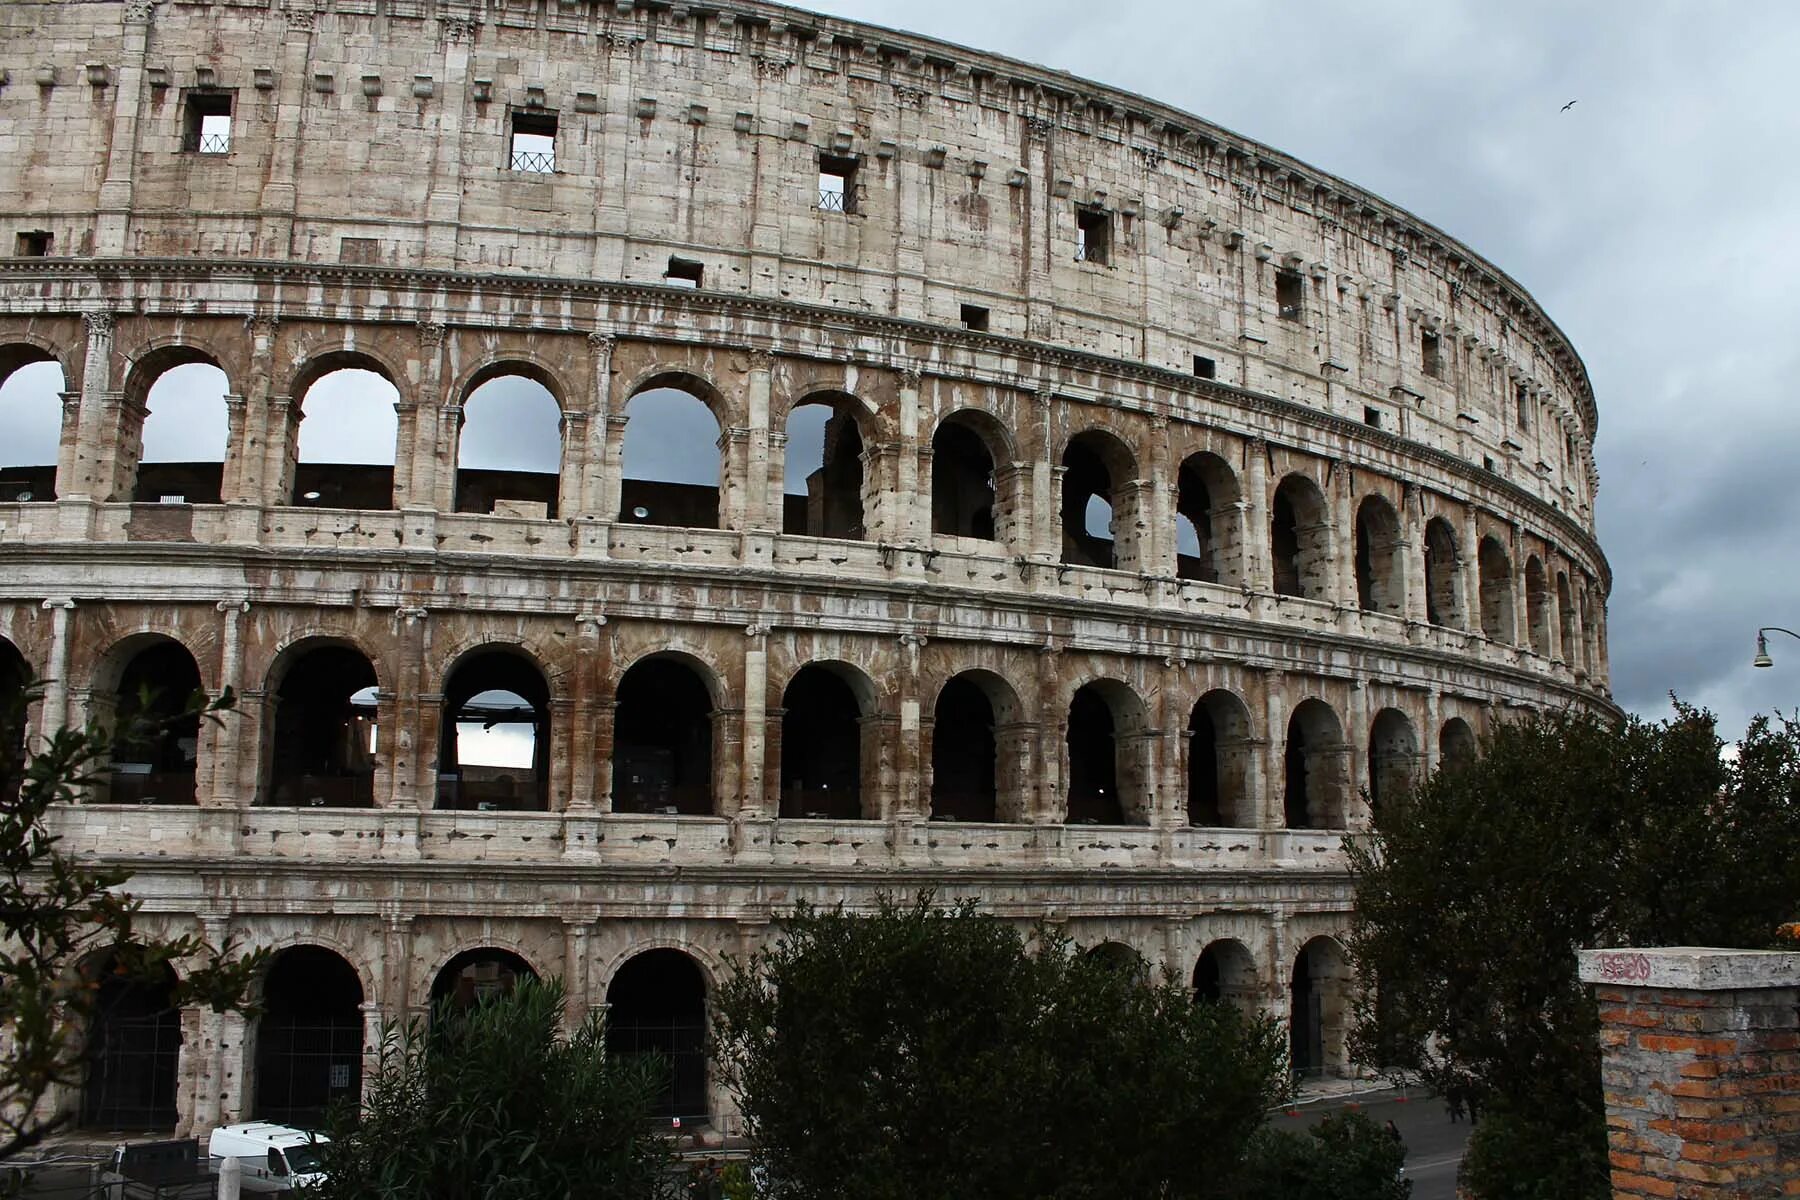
x=274, y=1158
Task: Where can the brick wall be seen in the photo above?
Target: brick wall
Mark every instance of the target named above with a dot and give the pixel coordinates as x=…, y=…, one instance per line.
x=1701, y=1068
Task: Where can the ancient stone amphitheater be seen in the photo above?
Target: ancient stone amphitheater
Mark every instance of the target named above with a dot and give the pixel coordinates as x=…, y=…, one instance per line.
x=749, y=456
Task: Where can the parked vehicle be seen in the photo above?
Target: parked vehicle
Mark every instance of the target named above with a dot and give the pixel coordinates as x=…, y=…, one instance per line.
x=274, y=1158
x=167, y=1170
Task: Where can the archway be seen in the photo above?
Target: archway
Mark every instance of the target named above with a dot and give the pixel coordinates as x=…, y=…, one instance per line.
x=1537, y=606
x=1226, y=973
x=1098, y=527
x=509, y=447
x=1206, y=540
x=1380, y=561
x=155, y=746
x=1107, y=783
x=823, y=470
x=1314, y=786
x=31, y=415
x=963, y=487
x=671, y=460
x=1117, y=956
x=185, y=434
x=1318, y=1009
x=323, y=751
x=476, y=976
x=656, y=1004
x=964, y=753
x=494, y=739
x=663, y=740
x=1456, y=745
x=349, y=432
x=821, y=743
x=309, y=1038
x=133, y=1052
x=1442, y=600
x=1496, y=591
x=1300, y=540
x=1393, y=758
x=1218, y=765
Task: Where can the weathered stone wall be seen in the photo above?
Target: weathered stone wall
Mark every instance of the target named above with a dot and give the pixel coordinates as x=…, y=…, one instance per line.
x=1701, y=1066
x=365, y=215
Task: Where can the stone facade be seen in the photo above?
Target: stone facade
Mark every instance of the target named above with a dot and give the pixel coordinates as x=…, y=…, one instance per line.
x=1345, y=470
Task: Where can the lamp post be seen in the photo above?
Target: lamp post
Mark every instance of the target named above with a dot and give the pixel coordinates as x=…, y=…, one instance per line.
x=1762, y=658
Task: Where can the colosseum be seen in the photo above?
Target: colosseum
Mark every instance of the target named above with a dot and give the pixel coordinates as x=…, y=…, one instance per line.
x=640, y=464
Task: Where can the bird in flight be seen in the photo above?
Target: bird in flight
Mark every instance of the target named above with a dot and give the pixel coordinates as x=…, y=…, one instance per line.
x=1568, y=106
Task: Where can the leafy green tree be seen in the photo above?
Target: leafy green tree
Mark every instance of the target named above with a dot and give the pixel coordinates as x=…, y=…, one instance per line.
x=495, y=1102
x=1570, y=831
x=63, y=921
x=1346, y=1156
x=930, y=1052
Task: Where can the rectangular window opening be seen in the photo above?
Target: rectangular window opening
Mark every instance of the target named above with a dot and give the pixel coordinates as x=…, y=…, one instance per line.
x=1290, y=295
x=684, y=272
x=533, y=149
x=206, y=123
x=975, y=317
x=34, y=243
x=1371, y=416
x=1522, y=398
x=1430, y=353
x=1487, y=462
x=837, y=183
x=1093, y=235
x=1205, y=368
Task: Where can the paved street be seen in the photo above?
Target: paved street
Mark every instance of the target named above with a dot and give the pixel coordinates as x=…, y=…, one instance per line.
x=1433, y=1145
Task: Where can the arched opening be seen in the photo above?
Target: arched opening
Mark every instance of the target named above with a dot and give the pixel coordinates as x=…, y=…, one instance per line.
x=963, y=487
x=155, y=746
x=494, y=740
x=1319, y=1009
x=823, y=470
x=1226, y=973
x=1537, y=605
x=509, y=448
x=1565, y=620
x=309, y=1039
x=1380, y=561
x=15, y=674
x=656, y=1004
x=323, y=751
x=671, y=460
x=31, y=414
x=1314, y=783
x=1098, y=531
x=1496, y=591
x=1206, y=540
x=349, y=431
x=1456, y=745
x=663, y=740
x=1218, y=767
x=1442, y=604
x=185, y=432
x=1300, y=540
x=1107, y=783
x=964, y=754
x=1117, y=956
x=133, y=1051
x=475, y=977
x=1393, y=758
x=821, y=745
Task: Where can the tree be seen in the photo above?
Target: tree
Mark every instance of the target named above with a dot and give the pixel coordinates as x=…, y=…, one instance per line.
x=1570, y=831
x=495, y=1102
x=930, y=1052
x=1346, y=1156
x=65, y=923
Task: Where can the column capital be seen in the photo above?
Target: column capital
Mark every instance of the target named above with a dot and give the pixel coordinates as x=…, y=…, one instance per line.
x=99, y=324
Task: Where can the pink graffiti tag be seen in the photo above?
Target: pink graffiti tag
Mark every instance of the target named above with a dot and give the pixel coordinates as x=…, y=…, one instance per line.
x=1625, y=968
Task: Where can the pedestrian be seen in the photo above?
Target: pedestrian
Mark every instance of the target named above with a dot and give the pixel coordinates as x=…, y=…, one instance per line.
x=1454, y=1103
x=1393, y=1131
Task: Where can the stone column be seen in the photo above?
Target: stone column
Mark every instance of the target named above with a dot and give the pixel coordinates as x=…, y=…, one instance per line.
x=1172, y=811
x=443, y=203
x=1356, y=754
x=760, y=513
x=1469, y=562
x=1045, y=522
x=53, y=712
x=592, y=653
x=758, y=731
x=1052, y=804
x=1015, y=746
x=411, y=753
x=912, y=502
x=613, y=468
x=1012, y=507
x=598, y=470
x=1434, y=724
x=1520, y=633
x=576, y=1005
x=275, y=230
x=260, y=479
x=417, y=460
x=1162, y=487
x=112, y=229
x=1700, y=1063
x=1412, y=549
x=1275, y=716
x=90, y=476
x=223, y=747
x=1342, y=533
x=572, y=472
x=910, y=766
x=1258, y=573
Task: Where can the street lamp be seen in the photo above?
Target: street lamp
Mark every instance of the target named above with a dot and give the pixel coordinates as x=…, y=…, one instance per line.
x=1762, y=658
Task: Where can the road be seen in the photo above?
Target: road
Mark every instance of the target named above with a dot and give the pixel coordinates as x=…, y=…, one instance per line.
x=1434, y=1146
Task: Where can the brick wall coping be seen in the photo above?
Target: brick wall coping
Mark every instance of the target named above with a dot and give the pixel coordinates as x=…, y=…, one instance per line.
x=1691, y=968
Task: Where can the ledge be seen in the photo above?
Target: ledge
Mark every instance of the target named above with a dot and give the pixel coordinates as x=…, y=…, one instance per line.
x=1691, y=968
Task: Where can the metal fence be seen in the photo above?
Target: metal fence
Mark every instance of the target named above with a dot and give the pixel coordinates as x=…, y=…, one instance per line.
x=534, y=162
x=833, y=200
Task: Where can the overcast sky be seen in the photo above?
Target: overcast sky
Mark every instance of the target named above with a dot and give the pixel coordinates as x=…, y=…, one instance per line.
x=1655, y=221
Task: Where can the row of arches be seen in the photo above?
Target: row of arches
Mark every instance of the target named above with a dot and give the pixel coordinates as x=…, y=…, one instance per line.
x=510, y=434
x=307, y=1047
x=325, y=717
